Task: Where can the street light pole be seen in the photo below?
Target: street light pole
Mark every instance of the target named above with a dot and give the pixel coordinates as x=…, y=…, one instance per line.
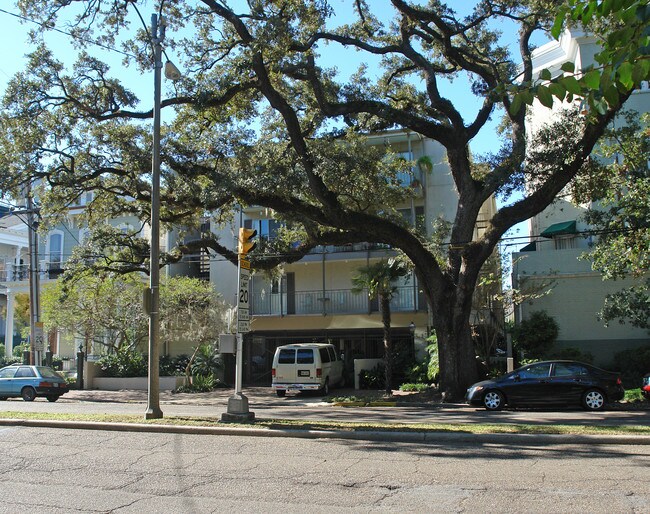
x=153, y=397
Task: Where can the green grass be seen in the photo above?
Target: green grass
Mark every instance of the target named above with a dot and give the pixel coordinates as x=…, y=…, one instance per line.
x=284, y=424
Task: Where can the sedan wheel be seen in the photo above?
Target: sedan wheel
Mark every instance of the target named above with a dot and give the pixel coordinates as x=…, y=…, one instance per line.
x=593, y=399
x=28, y=394
x=493, y=400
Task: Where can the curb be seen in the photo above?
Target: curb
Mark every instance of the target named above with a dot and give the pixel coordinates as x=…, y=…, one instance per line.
x=371, y=435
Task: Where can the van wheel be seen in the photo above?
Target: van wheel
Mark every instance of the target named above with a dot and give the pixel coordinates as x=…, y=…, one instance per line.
x=325, y=390
x=281, y=394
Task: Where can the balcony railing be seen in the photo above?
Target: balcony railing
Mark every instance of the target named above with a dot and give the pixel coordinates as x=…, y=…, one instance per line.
x=19, y=273
x=333, y=301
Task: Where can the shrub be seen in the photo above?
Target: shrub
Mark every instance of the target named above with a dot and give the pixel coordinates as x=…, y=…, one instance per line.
x=536, y=335
x=173, y=366
x=419, y=387
x=374, y=378
x=19, y=349
x=8, y=360
x=633, y=364
x=207, y=361
x=124, y=362
x=201, y=384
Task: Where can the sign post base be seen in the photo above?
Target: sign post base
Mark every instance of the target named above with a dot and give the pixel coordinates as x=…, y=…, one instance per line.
x=238, y=410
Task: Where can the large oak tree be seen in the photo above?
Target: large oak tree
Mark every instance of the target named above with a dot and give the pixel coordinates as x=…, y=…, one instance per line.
x=259, y=119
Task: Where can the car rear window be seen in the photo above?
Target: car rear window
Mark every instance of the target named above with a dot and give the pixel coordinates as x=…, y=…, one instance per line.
x=48, y=373
x=564, y=369
x=305, y=356
x=287, y=357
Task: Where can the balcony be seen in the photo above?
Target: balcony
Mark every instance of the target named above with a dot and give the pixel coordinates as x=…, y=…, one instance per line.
x=331, y=302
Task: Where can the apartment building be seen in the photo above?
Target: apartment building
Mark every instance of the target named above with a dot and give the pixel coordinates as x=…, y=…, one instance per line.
x=559, y=236
x=313, y=301
x=55, y=247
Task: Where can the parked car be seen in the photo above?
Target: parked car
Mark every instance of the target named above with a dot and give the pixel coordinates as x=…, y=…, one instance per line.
x=549, y=383
x=306, y=367
x=645, y=386
x=30, y=382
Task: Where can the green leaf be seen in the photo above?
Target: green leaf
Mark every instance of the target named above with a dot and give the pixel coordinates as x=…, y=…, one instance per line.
x=568, y=67
x=625, y=75
x=515, y=106
x=527, y=97
x=558, y=90
x=592, y=79
x=571, y=85
x=557, y=25
x=611, y=95
x=545, y=97
x=545, y=74
x=640, y=71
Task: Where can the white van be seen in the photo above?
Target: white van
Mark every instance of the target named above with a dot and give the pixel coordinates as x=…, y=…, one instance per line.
x=306, y=367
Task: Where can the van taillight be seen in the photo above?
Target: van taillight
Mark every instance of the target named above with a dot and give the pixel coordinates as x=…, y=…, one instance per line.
x=319, y=372
x=272, y=372
x=618, y=381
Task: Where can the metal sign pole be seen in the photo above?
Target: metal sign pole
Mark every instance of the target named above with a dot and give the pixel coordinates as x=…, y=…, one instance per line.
x=238, y=402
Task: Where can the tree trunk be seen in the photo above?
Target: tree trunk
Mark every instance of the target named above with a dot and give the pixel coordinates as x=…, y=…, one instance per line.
x=455, y=347
x=388, y=346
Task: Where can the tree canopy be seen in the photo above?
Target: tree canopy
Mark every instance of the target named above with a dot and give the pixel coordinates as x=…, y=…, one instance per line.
x=107, y=311
x=259, y=118
x=621, y=219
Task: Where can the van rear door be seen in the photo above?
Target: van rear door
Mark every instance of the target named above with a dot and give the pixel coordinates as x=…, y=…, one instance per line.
x=306, y=368
x=285, y=369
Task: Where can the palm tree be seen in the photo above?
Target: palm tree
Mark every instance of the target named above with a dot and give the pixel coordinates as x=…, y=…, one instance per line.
x=378, y=280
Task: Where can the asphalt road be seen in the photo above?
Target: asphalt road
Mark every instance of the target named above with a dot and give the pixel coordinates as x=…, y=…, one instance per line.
x=266, y=405
x=85, y=471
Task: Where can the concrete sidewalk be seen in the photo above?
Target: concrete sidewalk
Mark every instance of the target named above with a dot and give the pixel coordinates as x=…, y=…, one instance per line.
x=312, y=409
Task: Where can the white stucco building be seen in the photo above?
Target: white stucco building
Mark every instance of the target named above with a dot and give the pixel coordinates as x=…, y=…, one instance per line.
x=559, y=236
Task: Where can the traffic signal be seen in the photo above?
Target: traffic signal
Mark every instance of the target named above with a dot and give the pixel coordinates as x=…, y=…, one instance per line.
x=245, y=244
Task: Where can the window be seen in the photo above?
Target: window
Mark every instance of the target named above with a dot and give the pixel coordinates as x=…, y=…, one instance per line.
x=305, y=356
x=536, y=371
x=324, y=355
x=565, y=369
x=333, y=355
x=564, y=242
x=25, y=372
x=287, y=357
x=55, y=248
x=7, y=372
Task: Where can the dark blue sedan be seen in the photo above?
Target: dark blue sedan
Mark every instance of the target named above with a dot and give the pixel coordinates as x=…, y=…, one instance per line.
x=29, y=382
x=549, y=383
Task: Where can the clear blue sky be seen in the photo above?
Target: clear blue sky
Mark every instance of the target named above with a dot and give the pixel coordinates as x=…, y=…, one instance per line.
x=13, y=41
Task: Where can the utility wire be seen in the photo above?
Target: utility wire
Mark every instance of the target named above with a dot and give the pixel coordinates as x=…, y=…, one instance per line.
x=78, y=38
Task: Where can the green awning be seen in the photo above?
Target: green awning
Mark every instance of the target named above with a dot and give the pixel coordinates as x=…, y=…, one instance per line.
x=558, y=229
x=530, y=247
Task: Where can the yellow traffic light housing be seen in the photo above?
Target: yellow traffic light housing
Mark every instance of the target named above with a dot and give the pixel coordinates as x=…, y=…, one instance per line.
x=245, y=244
